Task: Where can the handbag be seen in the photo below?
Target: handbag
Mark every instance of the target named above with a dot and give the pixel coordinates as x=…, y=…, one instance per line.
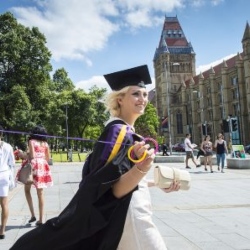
x=164, y=176
x=25, y=174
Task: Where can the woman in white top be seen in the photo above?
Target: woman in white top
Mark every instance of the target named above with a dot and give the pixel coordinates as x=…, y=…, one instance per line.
x=7, y=160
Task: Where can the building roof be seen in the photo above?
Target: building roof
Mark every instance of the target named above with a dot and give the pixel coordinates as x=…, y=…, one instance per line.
x=173, y=39
x=229, y=63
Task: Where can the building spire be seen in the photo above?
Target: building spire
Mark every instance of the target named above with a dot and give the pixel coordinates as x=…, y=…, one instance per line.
x=246, y=35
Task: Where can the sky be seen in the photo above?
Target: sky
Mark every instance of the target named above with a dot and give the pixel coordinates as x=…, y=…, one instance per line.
x=90, y=38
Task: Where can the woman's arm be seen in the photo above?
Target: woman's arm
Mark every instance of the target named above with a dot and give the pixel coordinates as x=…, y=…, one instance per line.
x=202, y=147
x=47, y=153
x=130, y=179
x=215, y=144
x=225, y=146
x=31, y=150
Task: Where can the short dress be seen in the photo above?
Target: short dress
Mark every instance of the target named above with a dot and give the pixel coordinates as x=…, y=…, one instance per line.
x=207, y=146
x=42, y=177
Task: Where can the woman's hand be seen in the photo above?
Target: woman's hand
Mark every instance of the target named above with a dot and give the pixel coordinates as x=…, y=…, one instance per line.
x=20, y=154
x=131, y=178
x=139, y=149
x=175, y=186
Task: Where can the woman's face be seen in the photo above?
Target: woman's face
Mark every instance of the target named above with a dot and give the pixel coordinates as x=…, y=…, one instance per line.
x=134, y=101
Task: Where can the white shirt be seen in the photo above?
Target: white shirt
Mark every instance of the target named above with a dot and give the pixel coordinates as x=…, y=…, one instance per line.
x=187, y=145
x=7, y=157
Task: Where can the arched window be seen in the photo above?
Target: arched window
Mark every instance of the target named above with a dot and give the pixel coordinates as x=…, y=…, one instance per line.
x=179, y=123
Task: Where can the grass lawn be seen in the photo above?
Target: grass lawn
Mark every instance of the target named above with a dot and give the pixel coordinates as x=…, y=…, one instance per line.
x=62, y=157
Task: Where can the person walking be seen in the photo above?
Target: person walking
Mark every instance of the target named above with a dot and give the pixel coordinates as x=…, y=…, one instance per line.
x=95, y=217
x=200, y=152
x=164, y=150
x=207, y=148
x=221, y=149
x=7, y=161
x=38, y=155
x=189, y=151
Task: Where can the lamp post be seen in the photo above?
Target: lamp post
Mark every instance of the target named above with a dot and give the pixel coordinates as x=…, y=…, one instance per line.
x=168, y=109
x=67, y=129
x=192, y=101
x=168, y=105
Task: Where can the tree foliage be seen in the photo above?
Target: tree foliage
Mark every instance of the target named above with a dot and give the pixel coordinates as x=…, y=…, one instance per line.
x=62, y=81
x=147, y=124
x=24, y=72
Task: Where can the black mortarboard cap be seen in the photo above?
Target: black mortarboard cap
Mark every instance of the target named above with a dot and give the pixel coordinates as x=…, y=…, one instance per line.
x=138, y=76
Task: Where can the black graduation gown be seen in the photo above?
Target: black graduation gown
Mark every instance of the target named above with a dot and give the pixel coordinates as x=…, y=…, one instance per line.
x=94, y=218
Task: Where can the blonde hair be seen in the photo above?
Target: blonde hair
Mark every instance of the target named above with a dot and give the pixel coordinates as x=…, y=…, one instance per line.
x=111, y=101
x=220, y=135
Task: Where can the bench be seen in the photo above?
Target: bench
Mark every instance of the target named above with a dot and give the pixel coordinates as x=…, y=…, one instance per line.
x=238, y=163
x=169, y=159
x=214, y=160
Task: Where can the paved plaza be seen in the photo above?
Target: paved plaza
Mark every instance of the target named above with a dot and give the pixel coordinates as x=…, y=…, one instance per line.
x=213, y=214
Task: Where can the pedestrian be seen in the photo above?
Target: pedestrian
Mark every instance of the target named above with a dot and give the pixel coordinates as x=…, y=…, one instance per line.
x=164, y=150
x=200, y=152
x=38, y=155
x=207, y=148
x=189, y=151
x=7, y=161
x=95, y=217
x=221, y=149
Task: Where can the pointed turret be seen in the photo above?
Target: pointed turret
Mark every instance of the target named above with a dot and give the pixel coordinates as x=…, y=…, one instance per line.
x=212, y=70
x=246, y=35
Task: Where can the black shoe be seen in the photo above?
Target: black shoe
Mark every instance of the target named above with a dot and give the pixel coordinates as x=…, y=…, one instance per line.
x=32, y=219
x=188, y=167
x=212, y=171
x=2, y=236
x=198, y=166
x=38, y=223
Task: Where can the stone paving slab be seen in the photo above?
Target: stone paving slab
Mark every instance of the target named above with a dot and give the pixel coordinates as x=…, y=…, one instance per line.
x=213, y=214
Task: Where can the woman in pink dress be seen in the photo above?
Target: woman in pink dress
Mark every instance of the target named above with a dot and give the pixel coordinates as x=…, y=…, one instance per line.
x=38, y=155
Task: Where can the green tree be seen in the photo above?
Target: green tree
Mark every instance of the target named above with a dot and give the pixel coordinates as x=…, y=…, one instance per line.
x=147, y=124
x=62, y=81
x=24, y=73
x=84, y=111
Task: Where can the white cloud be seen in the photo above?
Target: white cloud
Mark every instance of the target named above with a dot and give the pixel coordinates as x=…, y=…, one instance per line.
x=99, y=81
x=203, y=68
x=199, y=3
x=72, y=28
x=216, y=2
x=77, y=27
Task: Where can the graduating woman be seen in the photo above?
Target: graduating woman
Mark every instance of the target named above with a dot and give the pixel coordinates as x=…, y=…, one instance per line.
x=95, y=217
